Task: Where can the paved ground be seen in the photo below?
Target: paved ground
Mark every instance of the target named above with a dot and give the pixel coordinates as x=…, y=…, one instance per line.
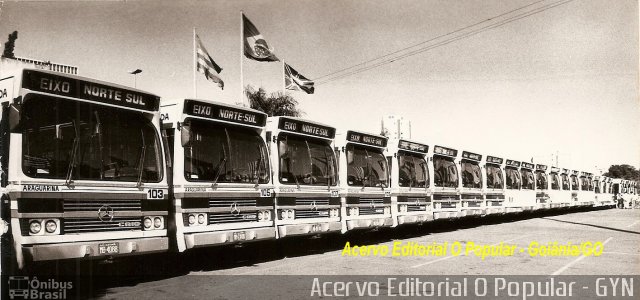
x=163, y=276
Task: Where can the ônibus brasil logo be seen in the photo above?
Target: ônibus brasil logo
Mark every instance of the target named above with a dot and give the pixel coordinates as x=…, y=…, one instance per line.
x=23, y=287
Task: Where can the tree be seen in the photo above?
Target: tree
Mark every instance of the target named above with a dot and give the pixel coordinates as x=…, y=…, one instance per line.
x=10, y=45
x=623, y=171
x=275, y=104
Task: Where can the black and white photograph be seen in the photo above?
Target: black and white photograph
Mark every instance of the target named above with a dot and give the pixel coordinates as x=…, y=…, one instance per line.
x=320, y=149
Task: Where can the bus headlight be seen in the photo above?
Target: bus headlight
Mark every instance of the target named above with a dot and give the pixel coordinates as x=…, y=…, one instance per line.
x=202, y=219
x=291, y=214
x=35, y=226
x=264, y=215
x=158, y=222
x=354, y=211
x=403, y=208
x=283, y=214
x=387, y=210
x=51, y=226
x=191, y=219
x=147, y=223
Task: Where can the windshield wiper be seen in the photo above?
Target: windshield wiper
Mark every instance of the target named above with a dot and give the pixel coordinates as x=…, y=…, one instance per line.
x=259, y=166
x=329, y=176
x=219, y=167
x=74, y=152
x=368, y=177
x=424, y=169
x=100, y=146
x=142, y=156
x=295, y=178
x=413, y=163
x=287, y=157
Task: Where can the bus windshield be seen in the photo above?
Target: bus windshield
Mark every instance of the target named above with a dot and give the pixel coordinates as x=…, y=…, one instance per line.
x=527, y=179
x=366, y=167
x=413, y=170
x=306, y=161
x=445, y=172
x=471, y=175
x=495, y=180
x=513, y=178
x=541, y=180
x=574, y=183
x=225, y=154
x=65, y=139
x=555, y=181
x=565, y=182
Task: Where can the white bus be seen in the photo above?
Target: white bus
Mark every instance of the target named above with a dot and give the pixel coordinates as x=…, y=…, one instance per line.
x=221, y=176
x=365, y=177
x=83, y=172
x=586, y=195
x=410, y=182
x=528, y=191
x=513, y=194
x=446, y=184
x=494, y=185
x=305, y=177
x=471, y=191
x=542, y=187
x=575, y=187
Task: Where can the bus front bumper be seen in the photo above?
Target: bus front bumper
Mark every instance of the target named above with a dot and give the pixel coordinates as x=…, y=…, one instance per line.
x=412, y=219
x=91, y=249
x=308, y=228
x=369, y=222
x=202, y=239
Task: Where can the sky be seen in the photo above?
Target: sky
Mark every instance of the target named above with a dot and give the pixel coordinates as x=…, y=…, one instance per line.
x=563, y=81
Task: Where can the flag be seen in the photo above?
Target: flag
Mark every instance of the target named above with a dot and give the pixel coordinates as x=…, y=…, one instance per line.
x=206, y=65
x=294, y=81
x=255, y=46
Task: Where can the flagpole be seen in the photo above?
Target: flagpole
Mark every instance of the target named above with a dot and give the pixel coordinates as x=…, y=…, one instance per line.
x=195, y=68
x=284, y=79
x=241, y=53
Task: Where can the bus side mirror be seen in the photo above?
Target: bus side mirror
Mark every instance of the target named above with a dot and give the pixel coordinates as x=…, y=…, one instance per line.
x=185, y=135
x=14, y=116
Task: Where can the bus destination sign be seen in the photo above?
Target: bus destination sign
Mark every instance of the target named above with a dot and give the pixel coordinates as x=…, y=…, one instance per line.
x=513, y=163
x=86, y=89
x=306, y=128
x=224, y=113
x=445, y=151
x=367, y=139
x=541, y=167
x=411, y=146
x=527, y=165
x=472, y=156
x=494, y=160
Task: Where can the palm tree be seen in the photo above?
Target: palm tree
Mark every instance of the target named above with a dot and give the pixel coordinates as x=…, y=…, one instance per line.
x=275, y=104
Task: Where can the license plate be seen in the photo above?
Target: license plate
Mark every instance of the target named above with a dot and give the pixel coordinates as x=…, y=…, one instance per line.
x=239, y=236
x=109, y=248
x=316, y=227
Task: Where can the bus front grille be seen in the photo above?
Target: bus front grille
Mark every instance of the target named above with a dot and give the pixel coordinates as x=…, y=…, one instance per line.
x=82, y=225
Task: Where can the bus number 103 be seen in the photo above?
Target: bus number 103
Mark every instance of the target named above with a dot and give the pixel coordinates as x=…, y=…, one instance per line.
x=155, y=194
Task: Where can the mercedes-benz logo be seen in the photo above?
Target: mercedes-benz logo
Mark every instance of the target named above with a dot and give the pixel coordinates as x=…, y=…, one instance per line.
x=373, y=203
x=105, y=213
x=235, y=210
x=313, y=206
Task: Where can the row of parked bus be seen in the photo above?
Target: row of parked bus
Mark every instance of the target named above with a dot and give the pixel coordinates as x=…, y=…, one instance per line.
x=96, y=170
